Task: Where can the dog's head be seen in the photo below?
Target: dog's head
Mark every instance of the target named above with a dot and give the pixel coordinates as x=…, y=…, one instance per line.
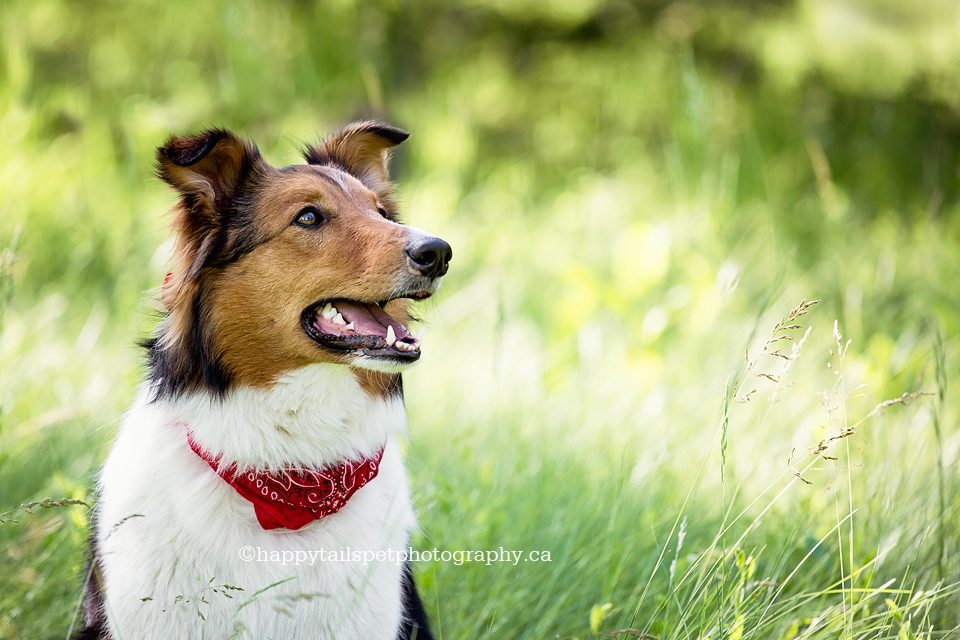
x=276, y=269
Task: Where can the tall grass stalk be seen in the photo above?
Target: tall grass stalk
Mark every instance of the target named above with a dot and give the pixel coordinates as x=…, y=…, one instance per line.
x=940, y=374
x=842, y=372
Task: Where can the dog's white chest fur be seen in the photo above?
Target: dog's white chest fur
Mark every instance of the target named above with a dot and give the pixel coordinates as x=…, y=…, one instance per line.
x=171, y=532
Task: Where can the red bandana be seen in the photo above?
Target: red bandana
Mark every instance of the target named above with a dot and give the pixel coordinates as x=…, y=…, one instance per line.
x=291, y=498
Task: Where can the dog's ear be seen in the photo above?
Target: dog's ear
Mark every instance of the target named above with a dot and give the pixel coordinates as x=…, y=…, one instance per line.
x=207, y=169
x=363, y=149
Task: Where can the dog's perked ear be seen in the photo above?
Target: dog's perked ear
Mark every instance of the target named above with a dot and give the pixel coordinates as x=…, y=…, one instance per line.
x=209, y=171
x=209, y=168
x=361, y=148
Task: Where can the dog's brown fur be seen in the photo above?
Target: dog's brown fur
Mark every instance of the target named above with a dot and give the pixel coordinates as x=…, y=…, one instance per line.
x=238, y=287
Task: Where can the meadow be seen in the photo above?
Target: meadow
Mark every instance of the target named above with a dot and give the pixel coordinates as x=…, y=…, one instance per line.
x=699, y=340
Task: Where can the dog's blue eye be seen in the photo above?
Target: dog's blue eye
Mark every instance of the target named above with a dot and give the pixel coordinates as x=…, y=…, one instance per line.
x=309, y=217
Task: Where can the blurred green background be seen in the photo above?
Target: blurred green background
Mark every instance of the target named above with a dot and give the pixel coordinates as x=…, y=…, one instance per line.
x=636, y=192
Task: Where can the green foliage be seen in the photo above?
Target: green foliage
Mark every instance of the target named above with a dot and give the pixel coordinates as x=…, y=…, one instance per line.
x=635, y=192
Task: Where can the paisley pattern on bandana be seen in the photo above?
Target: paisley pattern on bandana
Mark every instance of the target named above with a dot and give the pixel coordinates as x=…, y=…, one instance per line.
x=291, y=498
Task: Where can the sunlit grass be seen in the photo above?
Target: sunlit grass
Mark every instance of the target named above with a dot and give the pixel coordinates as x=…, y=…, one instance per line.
x=772, y=563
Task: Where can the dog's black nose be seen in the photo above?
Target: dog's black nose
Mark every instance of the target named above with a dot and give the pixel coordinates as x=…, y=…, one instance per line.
x=429, y=255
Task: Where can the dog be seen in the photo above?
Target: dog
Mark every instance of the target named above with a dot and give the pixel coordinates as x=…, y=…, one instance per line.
x=255, y=488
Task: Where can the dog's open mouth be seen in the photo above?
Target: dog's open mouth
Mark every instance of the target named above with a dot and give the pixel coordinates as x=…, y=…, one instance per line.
x=346, y=325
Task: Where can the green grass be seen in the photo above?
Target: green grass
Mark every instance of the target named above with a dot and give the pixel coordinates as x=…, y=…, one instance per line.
x=636, y=194
x=608, y=497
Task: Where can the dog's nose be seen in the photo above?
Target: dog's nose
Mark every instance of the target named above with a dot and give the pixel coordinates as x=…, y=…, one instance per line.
x=429, y=255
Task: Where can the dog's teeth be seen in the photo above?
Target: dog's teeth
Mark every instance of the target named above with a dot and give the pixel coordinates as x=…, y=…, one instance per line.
x=328, y=311
x=418, y=336
x=391, y=336
x=338, y=319
x=349, y=326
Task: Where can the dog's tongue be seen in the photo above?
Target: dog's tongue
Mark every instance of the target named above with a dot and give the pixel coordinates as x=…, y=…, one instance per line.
x=343, y=318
